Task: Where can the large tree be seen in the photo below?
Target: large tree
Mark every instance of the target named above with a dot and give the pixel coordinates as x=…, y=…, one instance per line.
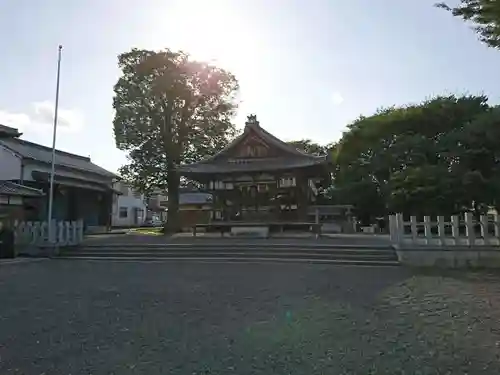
x=415, y=158
x=170, y=109
x=484, y=14
x=478, y=152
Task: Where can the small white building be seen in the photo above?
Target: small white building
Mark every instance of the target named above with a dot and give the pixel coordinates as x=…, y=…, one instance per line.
x=129, y=208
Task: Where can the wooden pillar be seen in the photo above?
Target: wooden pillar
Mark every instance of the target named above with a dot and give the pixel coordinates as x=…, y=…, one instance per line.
x=302, y=190
x=277, y=202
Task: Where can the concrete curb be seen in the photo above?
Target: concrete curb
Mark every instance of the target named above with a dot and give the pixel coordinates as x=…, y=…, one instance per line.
x=449, y=256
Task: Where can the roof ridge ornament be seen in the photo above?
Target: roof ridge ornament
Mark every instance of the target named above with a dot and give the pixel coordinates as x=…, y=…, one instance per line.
x=252, y=120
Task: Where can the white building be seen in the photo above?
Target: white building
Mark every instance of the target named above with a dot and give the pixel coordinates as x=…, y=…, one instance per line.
x=129, y=208
x=82, y=190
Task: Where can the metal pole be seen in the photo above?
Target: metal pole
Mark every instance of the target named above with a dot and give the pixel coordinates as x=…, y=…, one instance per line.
x=52, y=166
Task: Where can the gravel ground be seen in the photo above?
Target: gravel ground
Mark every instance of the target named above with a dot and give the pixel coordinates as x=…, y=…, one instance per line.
x=82, y=317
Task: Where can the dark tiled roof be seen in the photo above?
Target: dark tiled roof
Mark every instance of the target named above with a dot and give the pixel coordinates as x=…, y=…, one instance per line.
x=219, y=162
x=11, y=188
x=65, y=180
x=43, y=154
x=8, y=132
x=195, y=198
x=252, y=166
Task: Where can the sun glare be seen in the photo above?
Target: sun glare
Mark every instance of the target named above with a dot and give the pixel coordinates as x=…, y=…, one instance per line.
x=213, y=31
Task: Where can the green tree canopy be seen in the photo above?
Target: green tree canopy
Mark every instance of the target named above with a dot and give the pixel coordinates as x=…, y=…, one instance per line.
x=416, y=158
x=310, y=147
x=484, y=14
x=170, y=110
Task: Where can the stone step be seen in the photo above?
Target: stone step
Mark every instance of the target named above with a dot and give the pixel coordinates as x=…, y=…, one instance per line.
x=353, y=262
x=226, y=252
x=248, y=254
x=240, y=245
x=215, y=250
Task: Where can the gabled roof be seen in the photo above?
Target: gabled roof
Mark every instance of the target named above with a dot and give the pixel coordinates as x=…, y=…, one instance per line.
x=252, y=127
x=43, y=154
x=13, y=189
x=223, y=162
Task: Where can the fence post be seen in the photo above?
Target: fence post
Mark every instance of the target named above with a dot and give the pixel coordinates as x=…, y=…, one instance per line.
x=414, y=229
x=74, y=232
x=35, y=231
x=469, y=229
x=392, y=231
x=441, y=234
x=427, y=230
x=60, y=233
x=496, y=227
x=455, y=230
x=79, y=237
x=67, y=233
x=484, y=229
x=400, y=228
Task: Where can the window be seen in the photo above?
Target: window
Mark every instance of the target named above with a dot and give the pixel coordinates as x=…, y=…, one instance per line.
x=123, y=212
x=287, y=182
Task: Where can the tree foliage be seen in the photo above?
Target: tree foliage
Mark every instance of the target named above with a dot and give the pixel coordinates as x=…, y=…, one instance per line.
x=484, y=14
x=432, y=158
x=170, y=110
x=310, y=147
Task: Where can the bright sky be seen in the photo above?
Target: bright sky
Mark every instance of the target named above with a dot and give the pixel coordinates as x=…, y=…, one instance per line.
x=306, y=68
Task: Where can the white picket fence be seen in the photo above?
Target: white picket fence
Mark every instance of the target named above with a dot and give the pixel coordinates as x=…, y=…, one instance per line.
x=449, y=231
x=36, y=233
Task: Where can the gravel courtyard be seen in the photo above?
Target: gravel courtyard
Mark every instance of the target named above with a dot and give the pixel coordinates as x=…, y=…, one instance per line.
x=81, y=317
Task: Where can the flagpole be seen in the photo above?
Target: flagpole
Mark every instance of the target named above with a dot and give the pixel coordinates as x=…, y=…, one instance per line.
x=52, y=165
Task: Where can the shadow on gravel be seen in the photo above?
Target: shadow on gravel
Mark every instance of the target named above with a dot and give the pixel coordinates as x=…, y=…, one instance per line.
x=82, y=317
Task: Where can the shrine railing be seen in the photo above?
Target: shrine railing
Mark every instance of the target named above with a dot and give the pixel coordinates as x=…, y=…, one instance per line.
x=36, y=233
x=445, y=231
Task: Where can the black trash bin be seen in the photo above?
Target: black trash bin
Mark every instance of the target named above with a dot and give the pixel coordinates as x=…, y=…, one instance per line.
x=6, y=242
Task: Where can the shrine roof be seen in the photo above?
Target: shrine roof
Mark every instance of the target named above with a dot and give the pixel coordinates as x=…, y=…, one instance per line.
x=254, y=150
x=251, y=165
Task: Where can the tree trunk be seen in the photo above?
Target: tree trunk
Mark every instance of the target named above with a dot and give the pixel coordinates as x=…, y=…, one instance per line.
x=173, y=224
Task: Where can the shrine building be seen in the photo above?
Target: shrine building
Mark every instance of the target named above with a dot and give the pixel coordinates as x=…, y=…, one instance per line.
x=259, y=178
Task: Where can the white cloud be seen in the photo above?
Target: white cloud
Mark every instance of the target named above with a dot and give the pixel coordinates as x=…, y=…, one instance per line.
x=337, y=98
x=42, y=116
x=14, y=120
x=67, y=119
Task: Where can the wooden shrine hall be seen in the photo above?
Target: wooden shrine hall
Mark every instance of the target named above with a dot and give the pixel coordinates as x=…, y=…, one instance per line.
x=259, y=179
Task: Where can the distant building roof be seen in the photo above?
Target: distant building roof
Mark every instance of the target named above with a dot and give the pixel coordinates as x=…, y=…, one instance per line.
x=8, y=132
x=33, y=151
x=287, y=156
x=11, y=189
x=194, y=198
